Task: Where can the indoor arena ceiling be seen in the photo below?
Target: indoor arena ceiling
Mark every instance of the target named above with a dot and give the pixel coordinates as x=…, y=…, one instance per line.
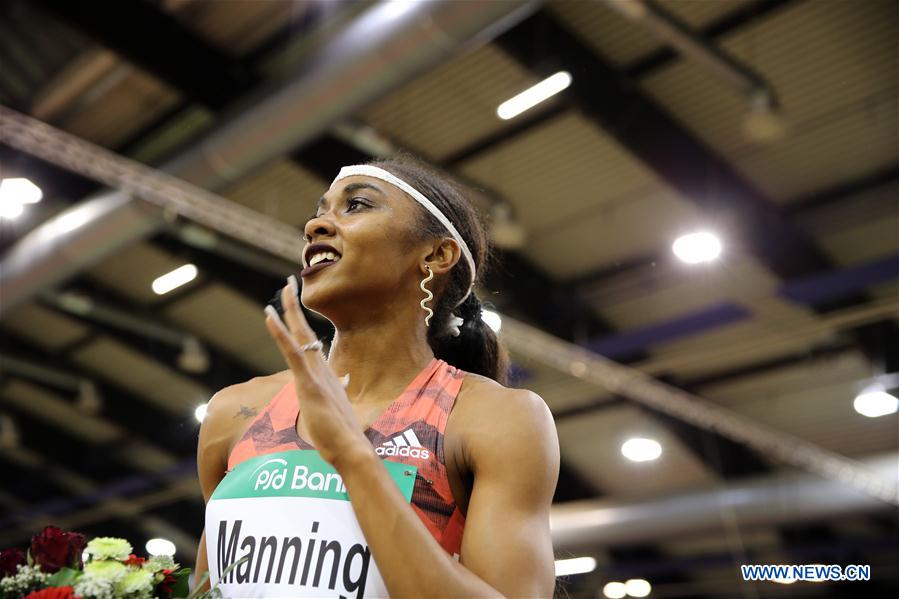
x=797, y=316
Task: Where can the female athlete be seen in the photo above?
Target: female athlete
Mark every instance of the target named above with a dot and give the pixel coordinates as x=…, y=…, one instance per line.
x=399, y=464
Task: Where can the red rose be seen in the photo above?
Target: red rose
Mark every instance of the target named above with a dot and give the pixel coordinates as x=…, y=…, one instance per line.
x=9, y=559
x=53, y=593
x=133, y=560
x=168, y=580
x=53, y=549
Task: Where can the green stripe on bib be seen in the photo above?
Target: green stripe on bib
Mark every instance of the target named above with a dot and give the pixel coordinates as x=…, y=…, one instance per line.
x=299, y=473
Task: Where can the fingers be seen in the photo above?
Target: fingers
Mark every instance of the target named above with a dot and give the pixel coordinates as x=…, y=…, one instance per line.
x=293, y=315
x=288, y=346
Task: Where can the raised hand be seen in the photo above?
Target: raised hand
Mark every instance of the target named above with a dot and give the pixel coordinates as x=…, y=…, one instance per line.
x=333, y=427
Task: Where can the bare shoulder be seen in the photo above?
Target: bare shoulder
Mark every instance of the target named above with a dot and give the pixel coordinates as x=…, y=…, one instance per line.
x=231, y=410
x=244, y=400
x=486, y=408
x=482, y=397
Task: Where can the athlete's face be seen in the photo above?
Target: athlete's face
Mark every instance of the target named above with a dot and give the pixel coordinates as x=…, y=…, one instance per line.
x=368, y=223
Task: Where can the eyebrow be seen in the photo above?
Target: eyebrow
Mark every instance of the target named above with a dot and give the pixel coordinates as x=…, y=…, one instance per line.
x=350, y=189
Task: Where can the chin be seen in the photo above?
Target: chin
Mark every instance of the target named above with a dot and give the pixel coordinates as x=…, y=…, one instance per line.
x=319, y=297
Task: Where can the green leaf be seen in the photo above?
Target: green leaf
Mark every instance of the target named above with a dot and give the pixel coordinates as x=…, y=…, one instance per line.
x=196, y=592
x=205, y=576
x=181, y=587
x=28, y=557
x=64, y=577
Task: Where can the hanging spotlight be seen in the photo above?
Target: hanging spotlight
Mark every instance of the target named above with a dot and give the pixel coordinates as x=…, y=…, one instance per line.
x=193, y=356
x=9, y=433
x=88, y=400
x=505, y=230
x=764, y=123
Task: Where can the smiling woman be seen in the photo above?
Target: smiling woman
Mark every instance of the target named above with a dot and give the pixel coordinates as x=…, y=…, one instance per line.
x=408, y=413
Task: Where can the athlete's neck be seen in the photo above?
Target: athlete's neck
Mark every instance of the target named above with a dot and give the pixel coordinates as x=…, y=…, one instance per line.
x=382, y=356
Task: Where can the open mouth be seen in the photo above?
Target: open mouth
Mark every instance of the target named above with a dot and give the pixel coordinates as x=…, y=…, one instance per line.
x=319, y=256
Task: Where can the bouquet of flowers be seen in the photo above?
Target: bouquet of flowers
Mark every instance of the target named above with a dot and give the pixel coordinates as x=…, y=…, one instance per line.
x=54, y=568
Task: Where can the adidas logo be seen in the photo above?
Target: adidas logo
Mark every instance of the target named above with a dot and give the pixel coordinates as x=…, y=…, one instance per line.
x=406, y=444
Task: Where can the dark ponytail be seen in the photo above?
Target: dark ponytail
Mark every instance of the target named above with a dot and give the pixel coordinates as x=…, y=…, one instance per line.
x=477, y=348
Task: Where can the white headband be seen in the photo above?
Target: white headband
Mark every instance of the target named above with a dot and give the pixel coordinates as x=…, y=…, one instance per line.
x=366, y=170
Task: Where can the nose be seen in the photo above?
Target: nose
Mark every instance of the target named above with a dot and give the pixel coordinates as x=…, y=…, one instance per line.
x=318, y=227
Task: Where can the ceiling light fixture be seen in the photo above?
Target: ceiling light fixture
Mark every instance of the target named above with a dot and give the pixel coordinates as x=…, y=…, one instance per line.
x=638, y=587
x=640, y=449
x=697, y=247
x=174, y=279
x=493, y=320
x=614, y=590
x=160, y=547
x=575, y=565
x=534, y=95
x=20, y=190
x=15, y=193
x=875, y=403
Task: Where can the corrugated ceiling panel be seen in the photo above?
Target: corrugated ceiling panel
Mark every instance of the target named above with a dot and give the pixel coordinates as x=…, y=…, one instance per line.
x=452, y=105
x=592, y=445
x=133, y=100
x=283, y=190
x=132, y=271
x=144, y=377
x=624, y=41
x=237, y=27
x=558, y=389
x=245, y=337
x=733, y=278
x=828, y=152
x=44, y=327
x=836, y=71
x=776, y=328
x=864, y=242
x=584, y=200
x=60, y=413
x=814, y=402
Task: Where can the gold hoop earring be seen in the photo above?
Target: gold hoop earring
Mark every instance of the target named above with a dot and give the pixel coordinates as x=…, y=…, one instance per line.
x=428, y=296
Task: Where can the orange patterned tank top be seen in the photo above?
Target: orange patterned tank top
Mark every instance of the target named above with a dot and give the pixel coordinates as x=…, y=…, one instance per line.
x=410, y=431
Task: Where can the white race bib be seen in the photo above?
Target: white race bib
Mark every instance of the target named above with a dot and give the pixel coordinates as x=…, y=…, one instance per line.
x=290, y=513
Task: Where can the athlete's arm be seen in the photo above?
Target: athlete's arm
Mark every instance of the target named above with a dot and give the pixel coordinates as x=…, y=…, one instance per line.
x=506, y=547
x=212, y=449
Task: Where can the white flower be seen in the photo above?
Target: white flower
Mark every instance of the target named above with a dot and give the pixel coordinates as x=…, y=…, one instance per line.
x=95, y=588
x=135, y=581
x=106, y=570
x=26, y=579
x=109, y=548
x=158, y=563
